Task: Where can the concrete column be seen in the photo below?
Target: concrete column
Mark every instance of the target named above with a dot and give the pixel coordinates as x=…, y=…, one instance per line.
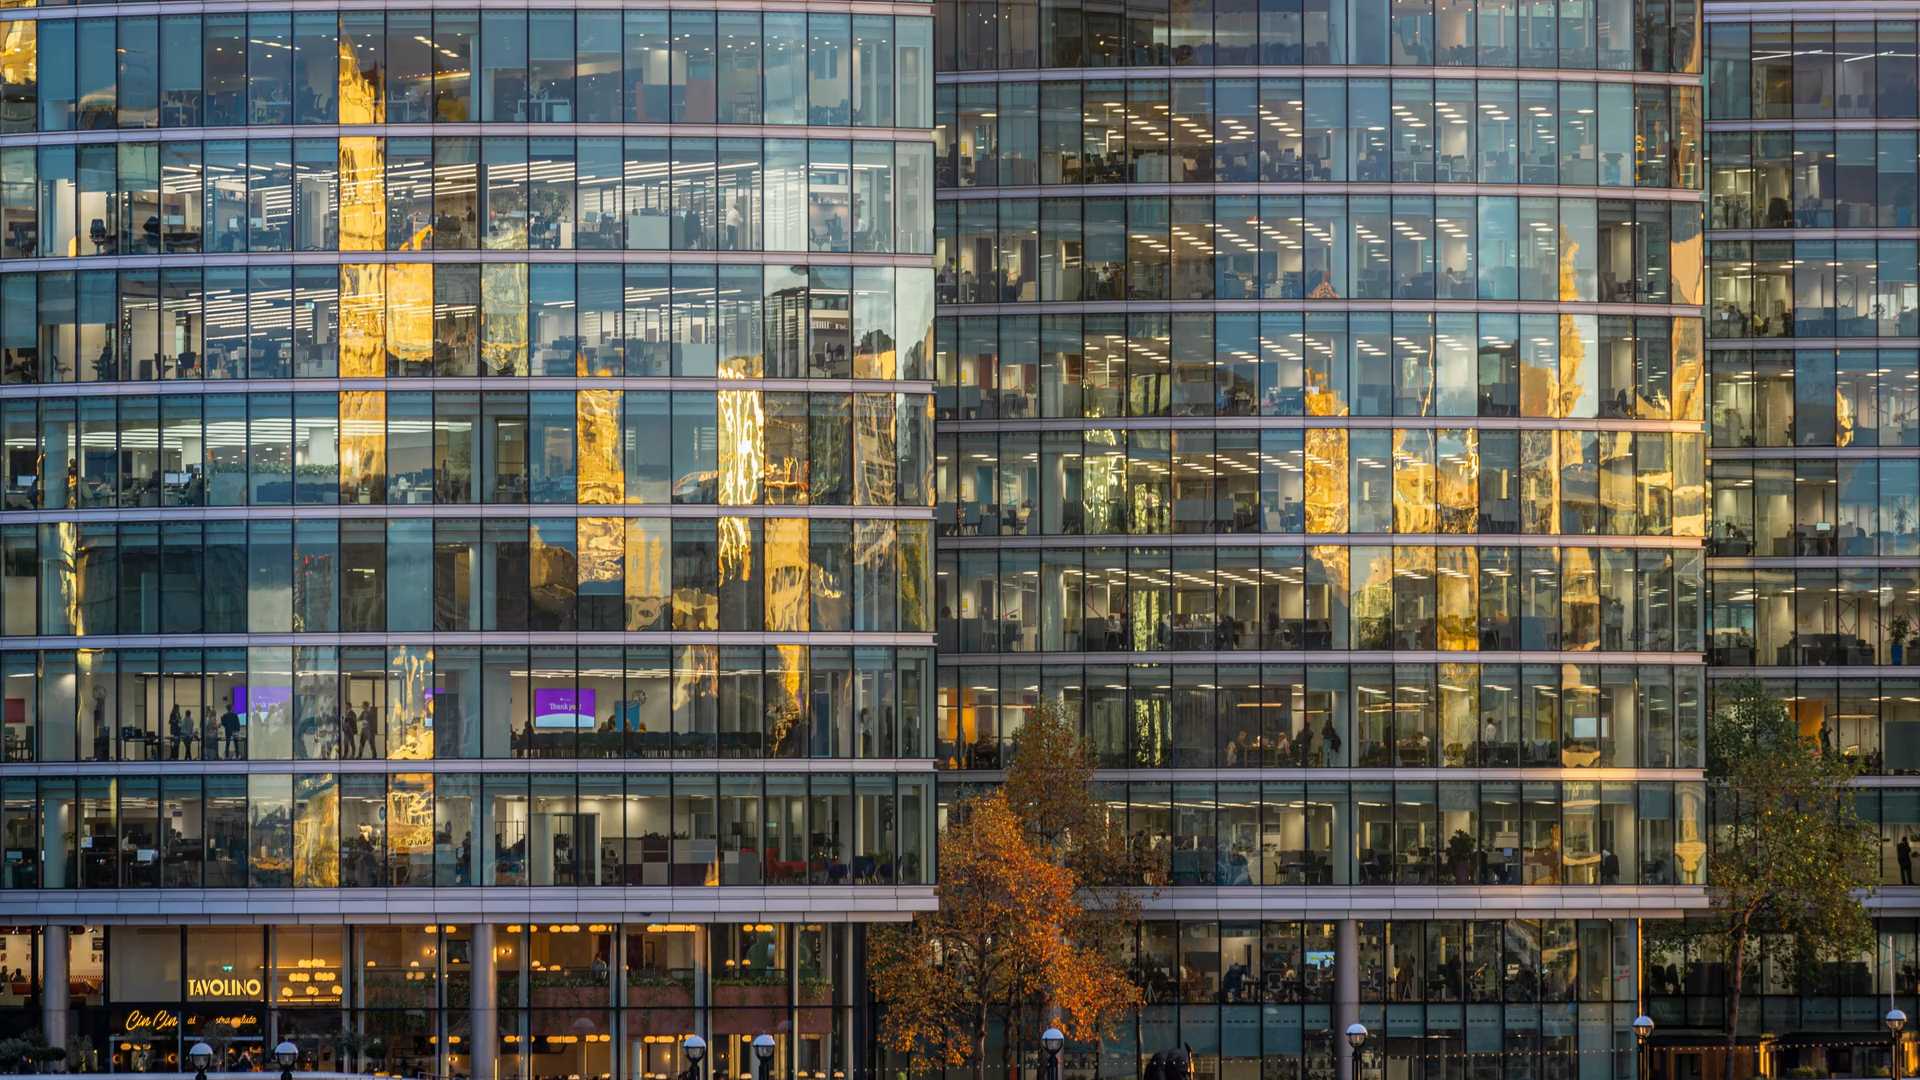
x=1346, y=993
x=54, y=1004
x=484, y=1053
x=786, y=1064
x=702, y=994
x=853, y=1039
x=357, y=988
x=617, y=960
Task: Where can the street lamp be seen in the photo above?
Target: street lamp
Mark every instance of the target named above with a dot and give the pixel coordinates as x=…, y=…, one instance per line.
x=1895, y=1020
x=763, y=1055
x=200, y=1056
x=1356, y=1037
x=695, y=1048
x=1052, y=1040
x=1642, y=1031
x=286, y=1054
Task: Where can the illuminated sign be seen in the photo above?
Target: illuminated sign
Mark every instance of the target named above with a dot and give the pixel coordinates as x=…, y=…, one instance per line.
x=139, y=1020
x=223, y=988
x=234, y=1023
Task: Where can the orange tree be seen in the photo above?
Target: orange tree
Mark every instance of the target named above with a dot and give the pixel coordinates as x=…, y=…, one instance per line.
x=1029, y=923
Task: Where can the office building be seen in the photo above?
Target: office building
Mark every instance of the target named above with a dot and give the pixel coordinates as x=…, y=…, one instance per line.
x=1321, y=407
x=467, y=528
x=1342, y=411
x=1382, y=424
x=1813, y=469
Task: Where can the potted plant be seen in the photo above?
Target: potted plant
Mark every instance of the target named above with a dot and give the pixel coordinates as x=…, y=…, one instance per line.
x=1897, y=630
x=16, y=1054
x=356, y=1047
x=1461, y=853
x=29, y=1053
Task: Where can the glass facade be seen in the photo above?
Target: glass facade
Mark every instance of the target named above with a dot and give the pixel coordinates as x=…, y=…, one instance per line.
x=612, y=479
x=474, y=468
x=439, y=193
x=1321, y=408
x=1808, y=443
x=1812, y=302
x=587, y=998
x=309, y=830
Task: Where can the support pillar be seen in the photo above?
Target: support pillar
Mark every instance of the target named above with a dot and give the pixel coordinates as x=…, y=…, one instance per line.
x=702, y=979
x=623, y=1055
x=852, y=1037
x=484, y=1053
x=54, y=1003
x=1346, y=994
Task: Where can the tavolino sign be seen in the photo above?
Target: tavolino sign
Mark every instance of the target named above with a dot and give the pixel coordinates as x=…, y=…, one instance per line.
x=223, y=988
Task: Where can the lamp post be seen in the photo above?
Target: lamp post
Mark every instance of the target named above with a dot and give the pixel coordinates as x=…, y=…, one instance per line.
x=1356, y=1038
x=1052, y=1040
x=286, y=1054
x=695, y=1049
x=1895, y=1021
x=200, y=1056
x=763, y=1056
x=1642, y=1031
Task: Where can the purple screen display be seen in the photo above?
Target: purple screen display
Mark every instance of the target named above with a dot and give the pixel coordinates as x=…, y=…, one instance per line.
x=264, y=696
x=563, y=709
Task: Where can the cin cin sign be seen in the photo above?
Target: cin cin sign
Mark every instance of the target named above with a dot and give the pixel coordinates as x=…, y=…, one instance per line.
x=157, y=1020
x=223, y=988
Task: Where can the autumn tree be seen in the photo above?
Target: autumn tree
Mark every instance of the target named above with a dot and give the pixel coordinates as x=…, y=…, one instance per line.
x=1791, y=856
x=1049, y=787
x=1030, y=915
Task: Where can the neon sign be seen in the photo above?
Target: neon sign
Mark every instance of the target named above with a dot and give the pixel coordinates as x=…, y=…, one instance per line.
x=223, y=988
x=157, y=1020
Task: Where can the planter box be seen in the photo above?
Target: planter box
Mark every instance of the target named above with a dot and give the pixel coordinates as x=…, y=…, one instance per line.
x=760, y=1007
x=750, y=994
x=569, y=997
x=669, y=1006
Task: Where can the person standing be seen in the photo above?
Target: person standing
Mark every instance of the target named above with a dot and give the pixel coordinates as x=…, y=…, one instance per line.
x=351, y=722
x=369, y=724
x=230, y=732
x=102, y=736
